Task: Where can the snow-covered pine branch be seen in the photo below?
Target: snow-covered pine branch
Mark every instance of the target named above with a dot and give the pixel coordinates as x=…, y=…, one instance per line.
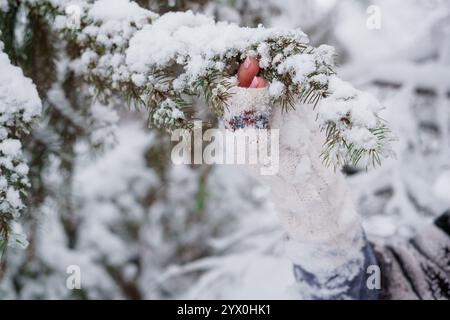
x=159, y=62
x=19, y=106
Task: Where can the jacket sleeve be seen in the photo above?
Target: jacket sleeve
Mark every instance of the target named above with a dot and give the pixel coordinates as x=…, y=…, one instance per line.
x=419, y=267
x=348, y=281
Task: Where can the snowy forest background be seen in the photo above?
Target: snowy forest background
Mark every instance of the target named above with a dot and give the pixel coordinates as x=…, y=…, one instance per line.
x=105, y=196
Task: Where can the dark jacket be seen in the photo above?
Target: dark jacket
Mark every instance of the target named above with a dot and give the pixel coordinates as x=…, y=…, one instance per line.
x=418, y=268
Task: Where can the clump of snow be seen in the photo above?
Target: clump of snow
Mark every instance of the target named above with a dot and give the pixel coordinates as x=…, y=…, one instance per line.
x=19, y=100
x=119, y=10
x=276, y=88
x=355, y=114
x=13, y=197
x=10, y=147
x=304, y=63
x=116, y=20
x=345, y=101
x=138, y=79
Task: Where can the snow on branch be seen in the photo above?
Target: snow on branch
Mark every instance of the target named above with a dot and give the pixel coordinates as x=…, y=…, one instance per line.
x=19, y=106
x=159, y=62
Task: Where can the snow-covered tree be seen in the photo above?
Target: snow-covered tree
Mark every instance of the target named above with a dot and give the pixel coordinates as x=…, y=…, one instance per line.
x=19, y=107
x=66, y=213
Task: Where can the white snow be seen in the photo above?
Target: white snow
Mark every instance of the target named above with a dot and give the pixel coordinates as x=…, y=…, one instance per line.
x=276, y=88
x=118, y=10
x=244, y=260
x=360, y=109
x=10, y=147
x=18, y=95
x=13, y=197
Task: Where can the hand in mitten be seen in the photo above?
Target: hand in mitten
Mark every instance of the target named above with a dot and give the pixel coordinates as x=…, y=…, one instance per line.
x=313, y=201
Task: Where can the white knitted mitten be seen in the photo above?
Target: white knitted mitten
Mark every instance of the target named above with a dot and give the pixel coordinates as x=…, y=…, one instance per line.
x=313, y=202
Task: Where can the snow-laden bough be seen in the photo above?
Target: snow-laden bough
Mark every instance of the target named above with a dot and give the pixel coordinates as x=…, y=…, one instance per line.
x=161, y=61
